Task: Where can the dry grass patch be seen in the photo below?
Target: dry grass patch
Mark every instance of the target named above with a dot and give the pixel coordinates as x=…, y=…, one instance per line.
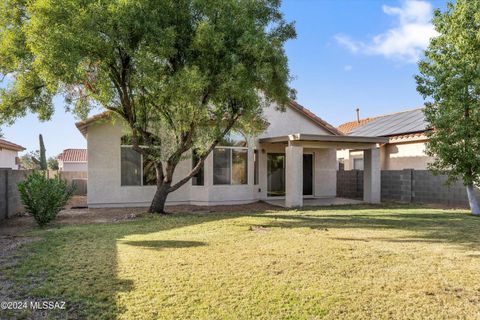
x=382, y=263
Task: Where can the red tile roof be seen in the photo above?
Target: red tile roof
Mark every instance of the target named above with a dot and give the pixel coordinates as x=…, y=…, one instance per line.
x=73, y=155
x=4, y=144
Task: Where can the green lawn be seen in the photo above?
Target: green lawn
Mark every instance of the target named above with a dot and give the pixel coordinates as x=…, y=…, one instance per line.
x=343, y=263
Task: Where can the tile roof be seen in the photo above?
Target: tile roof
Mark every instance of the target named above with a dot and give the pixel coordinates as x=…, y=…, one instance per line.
x=73, y=155
x=394, y=124
x=4, y=144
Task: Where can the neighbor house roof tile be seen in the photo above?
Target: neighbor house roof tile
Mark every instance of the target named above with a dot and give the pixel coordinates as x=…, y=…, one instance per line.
x=73, y=155
x=4, y=144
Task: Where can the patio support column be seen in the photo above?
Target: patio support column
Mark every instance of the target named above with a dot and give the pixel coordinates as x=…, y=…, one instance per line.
x=371, y=175
x=294, y=176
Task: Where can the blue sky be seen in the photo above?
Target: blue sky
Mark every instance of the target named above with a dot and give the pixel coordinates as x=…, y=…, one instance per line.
x=348, y=54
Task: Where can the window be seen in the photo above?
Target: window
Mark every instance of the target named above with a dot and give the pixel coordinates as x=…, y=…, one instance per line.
x=197, y=179
x=130, y=167
x=255, y=167
x=358, y=164
x=135, y=170
x=230, y=161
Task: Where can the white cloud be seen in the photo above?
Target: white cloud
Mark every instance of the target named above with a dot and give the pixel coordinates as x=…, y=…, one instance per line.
x=406, y=41
x=347, y=68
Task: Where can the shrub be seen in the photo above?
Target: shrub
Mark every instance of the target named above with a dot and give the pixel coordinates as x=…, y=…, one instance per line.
x=44, y=197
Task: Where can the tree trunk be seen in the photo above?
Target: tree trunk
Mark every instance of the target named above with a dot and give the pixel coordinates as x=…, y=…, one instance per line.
x=472, y=200
x=158, y=202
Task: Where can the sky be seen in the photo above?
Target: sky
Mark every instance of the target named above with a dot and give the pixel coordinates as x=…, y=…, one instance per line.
x=348, y=54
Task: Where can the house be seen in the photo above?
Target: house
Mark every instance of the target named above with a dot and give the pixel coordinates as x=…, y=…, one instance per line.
x=405, y=149
x=295, y=158
x=73, y=160
x=9, y=154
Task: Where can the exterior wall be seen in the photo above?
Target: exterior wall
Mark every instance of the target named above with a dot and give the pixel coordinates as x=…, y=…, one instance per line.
x=289, y=122
x=406, y=156
x=7, y=159
x=72, y=166
x=104, y=176
x=393, y=156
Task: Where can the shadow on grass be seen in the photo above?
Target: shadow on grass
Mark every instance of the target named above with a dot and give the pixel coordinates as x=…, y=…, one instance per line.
x=434, y=227
x=163, y=244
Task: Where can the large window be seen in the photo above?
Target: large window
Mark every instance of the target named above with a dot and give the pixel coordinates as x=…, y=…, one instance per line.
x=230, y=160
x=135, y=170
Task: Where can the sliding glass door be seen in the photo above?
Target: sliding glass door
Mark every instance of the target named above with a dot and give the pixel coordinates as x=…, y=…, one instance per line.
x=275, y=174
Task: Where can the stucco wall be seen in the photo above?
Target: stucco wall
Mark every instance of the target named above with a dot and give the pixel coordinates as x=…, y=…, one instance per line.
x=398, y=156
x=73, y=166
x=289, y=122
x=7, y=159
x=406, y=156
x=104, y=175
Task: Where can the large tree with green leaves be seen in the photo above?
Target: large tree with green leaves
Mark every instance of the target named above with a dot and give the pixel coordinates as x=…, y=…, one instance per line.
x=450, y=79
x=179, y=73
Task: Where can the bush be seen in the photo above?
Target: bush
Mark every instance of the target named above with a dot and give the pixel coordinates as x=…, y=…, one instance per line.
x=43, y=197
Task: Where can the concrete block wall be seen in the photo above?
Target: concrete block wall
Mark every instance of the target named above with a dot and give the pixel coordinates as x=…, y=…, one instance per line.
x=350, y=184
x=10, y=203
x=397, y=185
x=410, y=186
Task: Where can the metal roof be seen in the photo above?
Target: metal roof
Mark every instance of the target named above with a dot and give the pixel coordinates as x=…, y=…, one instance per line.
x=393, y=124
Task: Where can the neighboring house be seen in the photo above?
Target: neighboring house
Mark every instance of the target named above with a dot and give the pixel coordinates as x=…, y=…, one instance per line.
x=9, y=154
x=73, y=160
x=405, y=149
x=294, y=158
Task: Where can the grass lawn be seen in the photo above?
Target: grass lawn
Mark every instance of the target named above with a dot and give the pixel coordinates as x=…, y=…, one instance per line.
x=335, y=263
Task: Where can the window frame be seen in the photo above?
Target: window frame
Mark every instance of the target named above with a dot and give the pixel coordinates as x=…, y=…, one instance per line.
x=231, y=148
x=141, y=169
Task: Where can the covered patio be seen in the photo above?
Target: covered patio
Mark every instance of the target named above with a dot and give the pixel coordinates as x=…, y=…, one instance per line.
x=294, y=146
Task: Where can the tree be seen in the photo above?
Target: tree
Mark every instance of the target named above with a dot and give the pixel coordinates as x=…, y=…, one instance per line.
x=43, y=157
x=180, y=74
x=52, y=163
x=449, y=77
x=30, y=160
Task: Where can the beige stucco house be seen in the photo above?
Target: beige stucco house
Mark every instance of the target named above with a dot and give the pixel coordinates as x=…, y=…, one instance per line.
x=405, y=149
x=73, y=160
x=9, y=154
x=295, y=158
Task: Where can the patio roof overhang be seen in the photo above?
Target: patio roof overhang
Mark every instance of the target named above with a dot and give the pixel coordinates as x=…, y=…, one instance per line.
x=327, y=141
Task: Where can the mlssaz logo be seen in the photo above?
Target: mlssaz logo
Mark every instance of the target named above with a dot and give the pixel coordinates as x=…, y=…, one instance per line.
x=47, y=305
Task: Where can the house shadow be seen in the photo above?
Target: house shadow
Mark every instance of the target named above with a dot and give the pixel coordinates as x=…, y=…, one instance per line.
x=164, y=244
